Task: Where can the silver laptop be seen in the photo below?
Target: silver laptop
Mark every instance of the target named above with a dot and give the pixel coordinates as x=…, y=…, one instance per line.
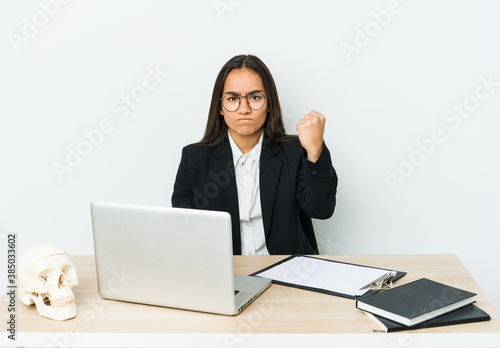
x=170, y=257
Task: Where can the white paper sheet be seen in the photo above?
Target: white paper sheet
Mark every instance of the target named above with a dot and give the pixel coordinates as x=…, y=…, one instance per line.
x=323, y=274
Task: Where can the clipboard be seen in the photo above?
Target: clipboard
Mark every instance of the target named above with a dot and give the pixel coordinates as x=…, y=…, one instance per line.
x=307, y=272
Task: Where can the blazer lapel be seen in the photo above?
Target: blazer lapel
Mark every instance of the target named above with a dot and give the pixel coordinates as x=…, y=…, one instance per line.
x=270, y=169
x=229, y=192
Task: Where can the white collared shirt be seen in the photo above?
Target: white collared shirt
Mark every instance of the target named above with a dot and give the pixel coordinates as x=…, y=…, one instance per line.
x=247, y=171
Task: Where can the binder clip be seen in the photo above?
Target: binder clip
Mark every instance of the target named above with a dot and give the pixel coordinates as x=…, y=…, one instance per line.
x=382, y=283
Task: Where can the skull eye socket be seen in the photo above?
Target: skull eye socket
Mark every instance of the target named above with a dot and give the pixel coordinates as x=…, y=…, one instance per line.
x=62, y=281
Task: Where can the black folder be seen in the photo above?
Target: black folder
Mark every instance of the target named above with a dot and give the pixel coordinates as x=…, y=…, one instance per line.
x=467, y=314
x=398, y=275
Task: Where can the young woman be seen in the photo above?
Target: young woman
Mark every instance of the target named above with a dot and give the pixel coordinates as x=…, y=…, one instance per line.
x=271, y=183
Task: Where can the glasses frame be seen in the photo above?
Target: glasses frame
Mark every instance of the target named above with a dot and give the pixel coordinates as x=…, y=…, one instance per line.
x=239, y=101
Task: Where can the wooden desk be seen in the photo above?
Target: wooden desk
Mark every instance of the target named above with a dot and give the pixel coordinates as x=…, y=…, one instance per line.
x=280, y=317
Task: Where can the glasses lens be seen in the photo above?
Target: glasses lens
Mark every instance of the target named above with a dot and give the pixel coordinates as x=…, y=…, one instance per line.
x=230, y=103
x=256, y=101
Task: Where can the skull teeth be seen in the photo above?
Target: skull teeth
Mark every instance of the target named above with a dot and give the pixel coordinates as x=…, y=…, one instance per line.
x=63, y=301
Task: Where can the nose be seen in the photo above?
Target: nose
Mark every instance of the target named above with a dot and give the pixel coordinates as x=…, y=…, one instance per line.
x=244, y=106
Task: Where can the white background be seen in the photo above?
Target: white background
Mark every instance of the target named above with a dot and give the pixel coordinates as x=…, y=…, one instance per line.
x=63, y=69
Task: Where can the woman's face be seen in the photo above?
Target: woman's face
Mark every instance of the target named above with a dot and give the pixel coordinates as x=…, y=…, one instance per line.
x=244, y=122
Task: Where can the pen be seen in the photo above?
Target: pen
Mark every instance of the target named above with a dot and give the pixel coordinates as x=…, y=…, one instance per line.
x=382, y=277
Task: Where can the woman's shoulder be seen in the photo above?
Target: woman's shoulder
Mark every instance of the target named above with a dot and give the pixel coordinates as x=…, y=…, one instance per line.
x=193, y=147
x=290, y=147
x=290, y=143
x=199, y=149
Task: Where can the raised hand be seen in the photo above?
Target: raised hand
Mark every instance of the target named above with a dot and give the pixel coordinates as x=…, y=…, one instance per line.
x=310, y=130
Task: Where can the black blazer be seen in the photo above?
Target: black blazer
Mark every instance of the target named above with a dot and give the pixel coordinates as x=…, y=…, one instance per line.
x=292, y=191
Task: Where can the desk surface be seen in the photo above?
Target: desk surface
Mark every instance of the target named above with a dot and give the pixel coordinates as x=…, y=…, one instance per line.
x=281, y=316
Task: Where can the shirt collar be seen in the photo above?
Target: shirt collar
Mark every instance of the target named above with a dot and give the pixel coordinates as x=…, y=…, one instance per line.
x=254, y=153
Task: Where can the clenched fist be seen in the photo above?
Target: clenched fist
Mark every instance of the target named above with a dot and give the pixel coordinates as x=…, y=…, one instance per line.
x=311, y=129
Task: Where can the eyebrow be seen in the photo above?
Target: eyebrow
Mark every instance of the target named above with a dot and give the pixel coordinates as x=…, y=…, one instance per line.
x=249, y=93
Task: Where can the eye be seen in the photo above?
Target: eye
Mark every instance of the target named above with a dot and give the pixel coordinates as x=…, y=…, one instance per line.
x=231, y=99
x=257, y=97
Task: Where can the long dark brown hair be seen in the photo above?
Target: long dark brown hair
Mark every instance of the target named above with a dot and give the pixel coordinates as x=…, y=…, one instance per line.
x=216, y=129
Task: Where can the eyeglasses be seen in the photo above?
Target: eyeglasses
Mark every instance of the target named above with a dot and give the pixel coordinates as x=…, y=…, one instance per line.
x=232, y=103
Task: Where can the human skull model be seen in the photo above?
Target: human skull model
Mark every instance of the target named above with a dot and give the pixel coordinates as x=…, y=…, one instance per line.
x=46, y=276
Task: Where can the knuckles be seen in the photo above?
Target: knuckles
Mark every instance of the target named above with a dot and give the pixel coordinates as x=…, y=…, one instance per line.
x=312, y=119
